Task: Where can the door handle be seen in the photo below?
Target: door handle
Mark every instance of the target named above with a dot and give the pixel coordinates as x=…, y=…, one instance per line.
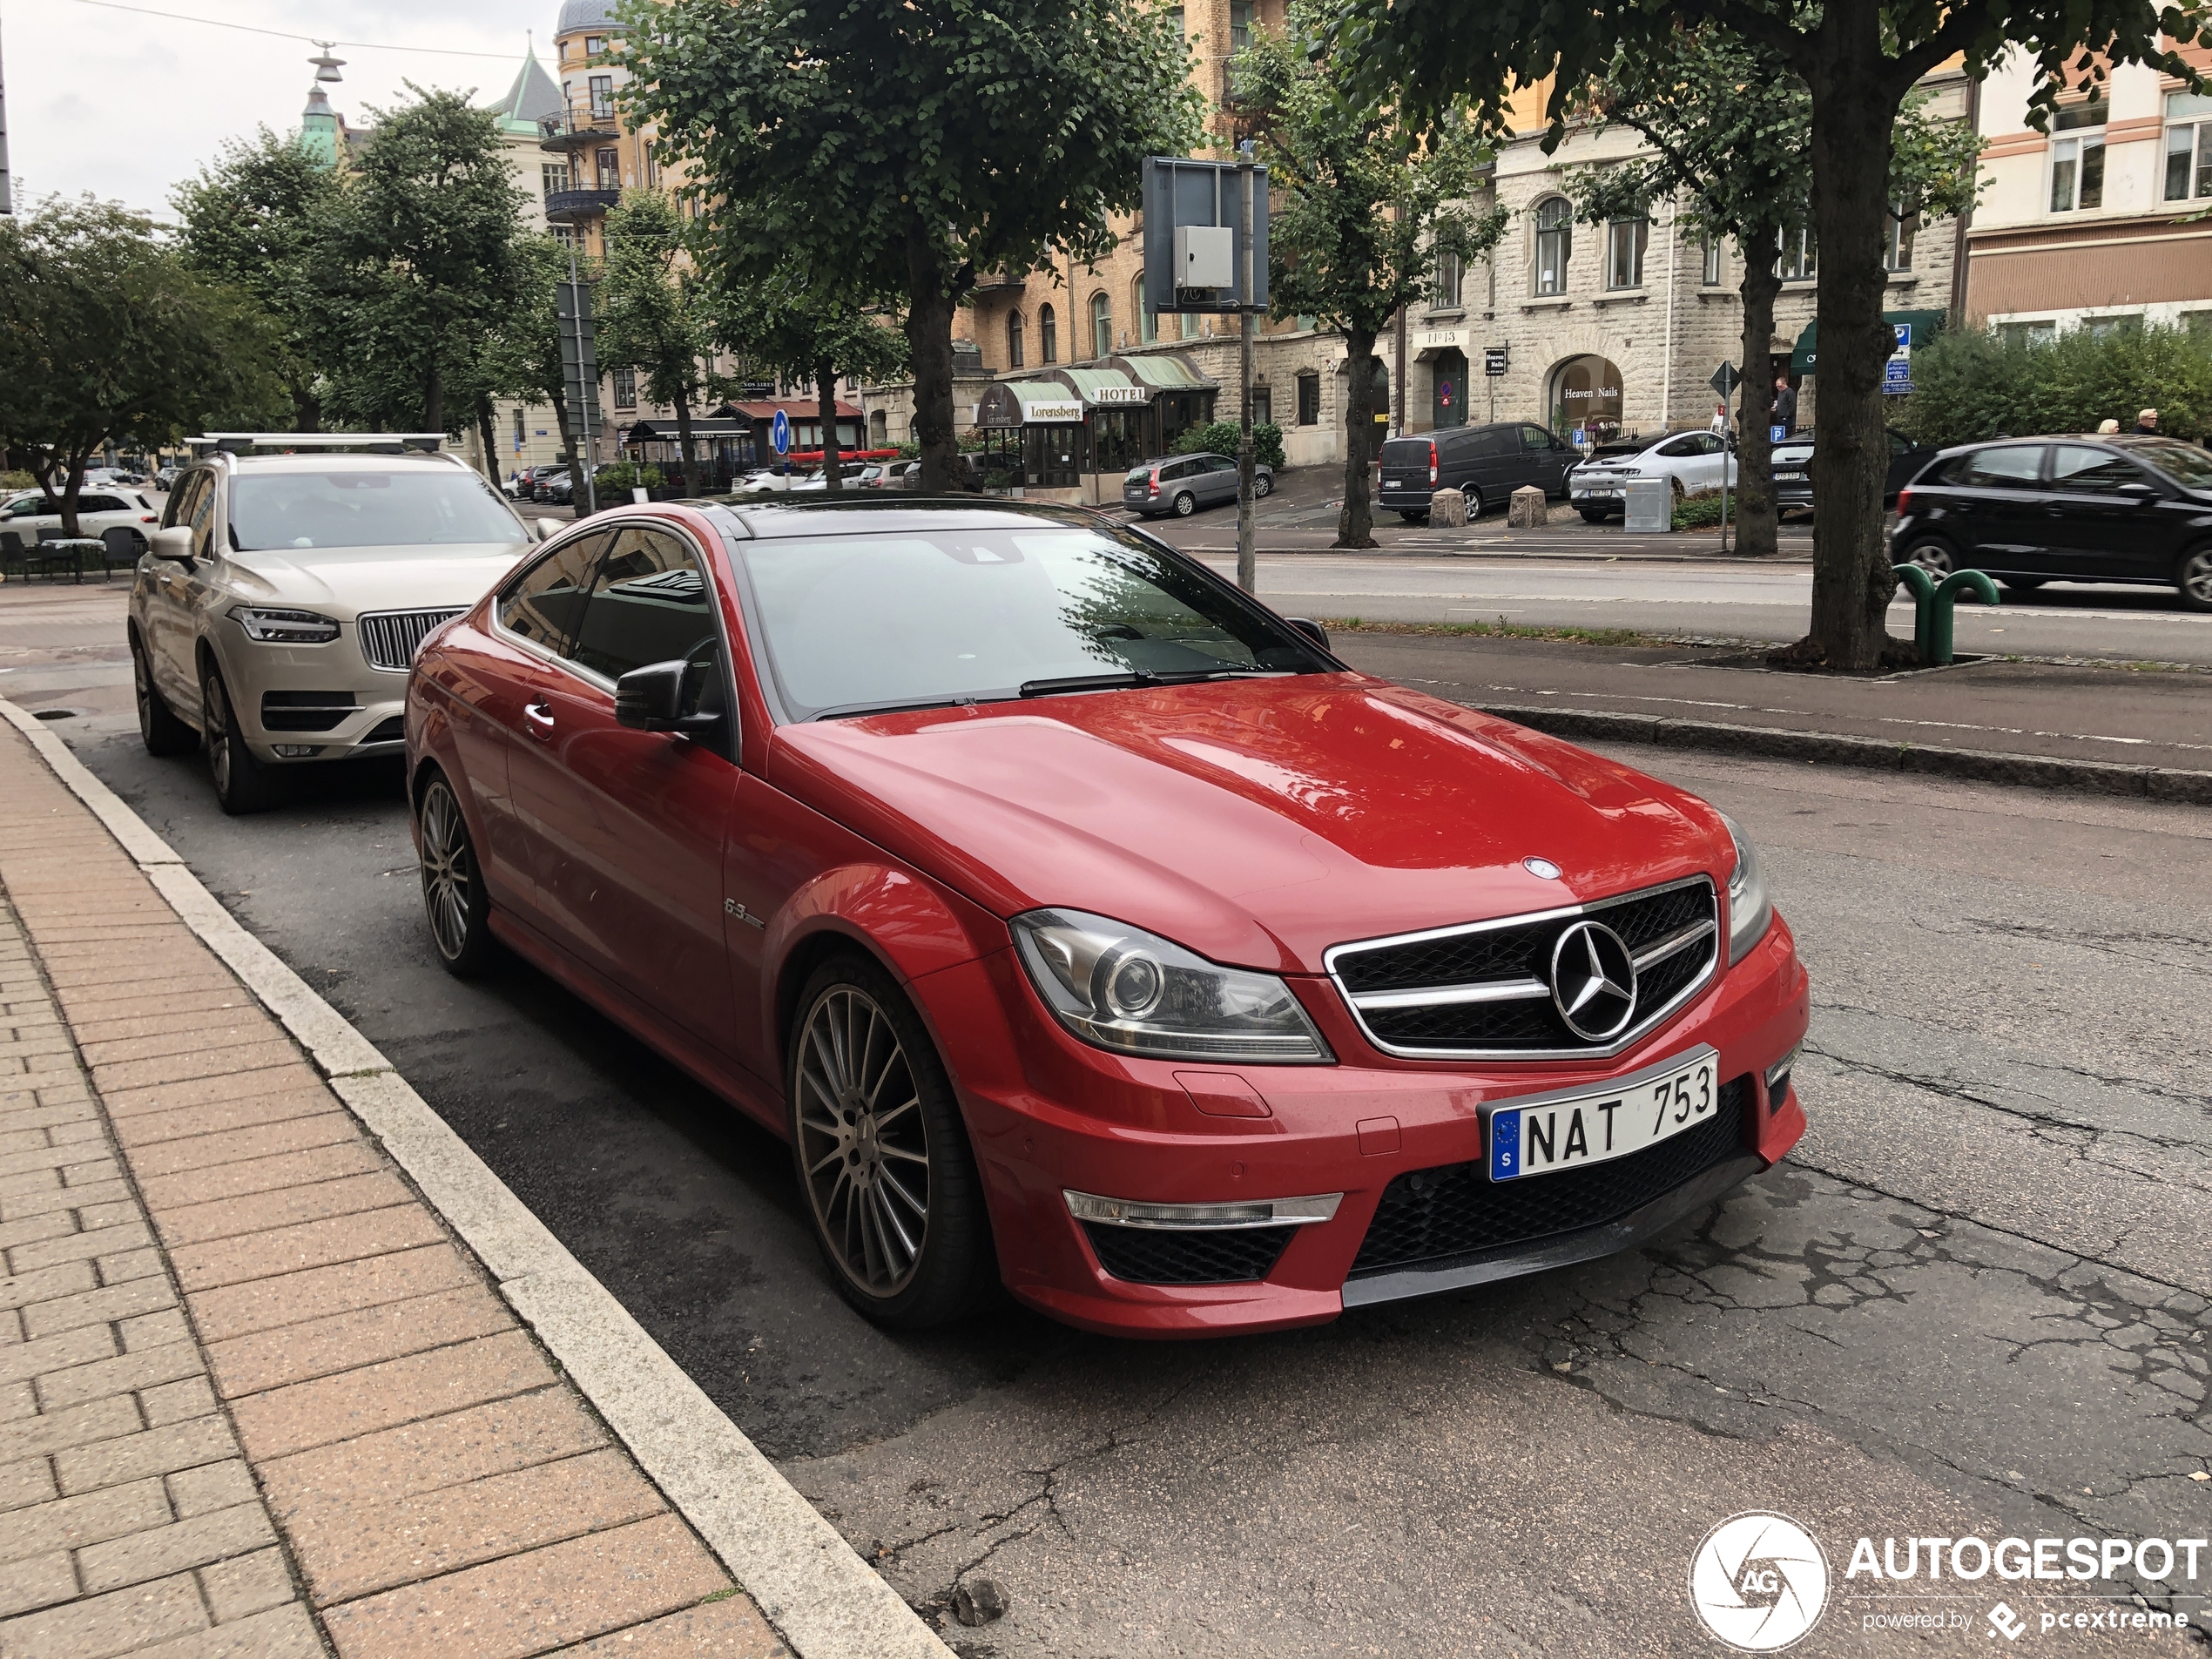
x=540, y=715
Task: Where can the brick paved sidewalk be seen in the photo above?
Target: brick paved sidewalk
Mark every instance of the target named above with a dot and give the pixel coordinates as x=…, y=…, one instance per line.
x=255, y=1399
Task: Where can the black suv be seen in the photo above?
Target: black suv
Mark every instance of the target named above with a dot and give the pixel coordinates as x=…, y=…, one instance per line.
x=2032, y=510
x=1488, y=462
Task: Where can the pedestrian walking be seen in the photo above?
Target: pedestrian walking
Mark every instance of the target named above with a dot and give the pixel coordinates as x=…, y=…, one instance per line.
x=1785, y=404
x=2147, y=423
x=2108, y=427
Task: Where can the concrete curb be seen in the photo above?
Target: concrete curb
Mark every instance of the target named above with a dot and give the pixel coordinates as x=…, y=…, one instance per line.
x=822, y=1598
x=1880, y=754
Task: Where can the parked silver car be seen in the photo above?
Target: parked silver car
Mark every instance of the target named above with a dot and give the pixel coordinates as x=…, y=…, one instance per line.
x=1181, y=484
x=278, y=609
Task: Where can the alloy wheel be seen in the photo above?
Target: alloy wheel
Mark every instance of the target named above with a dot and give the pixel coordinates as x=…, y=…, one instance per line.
x=2196, y=580
x=218, y=733
x=1934, y=557
x=142, y=691
x=863, y=1141
x=449, y=872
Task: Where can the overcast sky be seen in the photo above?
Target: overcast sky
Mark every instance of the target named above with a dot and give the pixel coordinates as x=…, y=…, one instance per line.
x=124, y=105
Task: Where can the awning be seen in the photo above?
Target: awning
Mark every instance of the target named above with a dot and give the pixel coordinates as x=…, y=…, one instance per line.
x=1102, y=387
x=1921, y=324
x=1162, y=372
x=1007, y=404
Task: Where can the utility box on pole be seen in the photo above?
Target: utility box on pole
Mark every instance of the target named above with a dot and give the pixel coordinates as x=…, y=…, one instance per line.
x=1201, y=271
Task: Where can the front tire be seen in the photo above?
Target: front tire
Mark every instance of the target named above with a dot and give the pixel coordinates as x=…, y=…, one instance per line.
x=1262, y=485
x=1476, y=503
x=453, y=883
x=242, y=784
x=159, y=727
x=1185, y=504
x=881, y=1155
x=1932, y=555
x=2193, y=576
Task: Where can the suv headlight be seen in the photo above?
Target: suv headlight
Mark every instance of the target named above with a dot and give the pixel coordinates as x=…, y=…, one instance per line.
x=284, y=627
x=1750, y=909
x=1123, y=988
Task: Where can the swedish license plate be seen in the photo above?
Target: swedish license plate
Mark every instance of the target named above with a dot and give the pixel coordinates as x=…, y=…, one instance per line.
x=1789, y=475
x=1565, y=1132
x=1606, y=489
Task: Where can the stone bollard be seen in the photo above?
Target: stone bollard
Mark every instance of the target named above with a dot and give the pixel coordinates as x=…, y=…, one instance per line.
x=1527, y=510
x=1447, y=510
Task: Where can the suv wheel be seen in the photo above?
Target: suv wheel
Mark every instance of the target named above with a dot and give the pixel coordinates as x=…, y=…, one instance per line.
x=2194, y=578
x=1185, y=504
x=159, y=727
x=1932, y=556
x=242, y=784
x=1476, y=503
x=452, y=885
x=881, y=1154
x=1262, y=485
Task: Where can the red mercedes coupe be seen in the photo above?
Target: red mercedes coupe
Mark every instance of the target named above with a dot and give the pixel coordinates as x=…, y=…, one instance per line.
x=1087, y=928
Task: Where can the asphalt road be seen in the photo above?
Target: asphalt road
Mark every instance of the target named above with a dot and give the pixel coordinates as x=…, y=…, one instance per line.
x=1974, y=1300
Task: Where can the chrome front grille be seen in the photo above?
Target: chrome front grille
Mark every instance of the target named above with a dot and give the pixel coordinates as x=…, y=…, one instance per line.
x=1483, y=991
x=390, y=638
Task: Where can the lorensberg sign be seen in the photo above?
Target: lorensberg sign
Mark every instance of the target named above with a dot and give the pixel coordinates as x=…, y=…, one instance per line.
x=1056, y=412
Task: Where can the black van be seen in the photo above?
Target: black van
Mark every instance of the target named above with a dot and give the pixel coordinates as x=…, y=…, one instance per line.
x=1488, y=462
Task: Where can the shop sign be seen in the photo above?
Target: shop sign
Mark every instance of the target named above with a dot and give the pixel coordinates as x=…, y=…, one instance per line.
x=1106, y=395
x=1057, y=412
x=1441, y=340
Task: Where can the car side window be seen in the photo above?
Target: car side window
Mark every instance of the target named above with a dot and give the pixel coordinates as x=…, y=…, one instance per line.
x=1686, y=445
x=28, y=507
x=203, y=517
x=545, y=599
x=2017, y=467
x=2081, y=470
x=1899, y=444
x=648, y=603
x=98, y=504
x=1535, y=437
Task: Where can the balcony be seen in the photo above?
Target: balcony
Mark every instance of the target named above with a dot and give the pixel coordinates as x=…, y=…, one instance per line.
x=993, y=281
x=574, y=206
x=579, y=126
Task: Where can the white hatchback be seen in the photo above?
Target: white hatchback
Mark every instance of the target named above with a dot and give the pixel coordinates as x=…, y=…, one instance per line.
x=1692, y=459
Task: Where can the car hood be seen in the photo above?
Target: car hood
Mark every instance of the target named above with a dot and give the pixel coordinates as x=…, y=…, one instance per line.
x=1256, y=822
x=342, y=581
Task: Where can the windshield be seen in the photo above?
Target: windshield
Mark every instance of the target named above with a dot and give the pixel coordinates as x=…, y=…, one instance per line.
x=431, y=507
x=851, y=623
x=2179, y=462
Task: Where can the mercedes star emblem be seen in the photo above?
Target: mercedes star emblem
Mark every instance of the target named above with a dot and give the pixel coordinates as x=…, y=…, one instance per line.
x=1593, y=982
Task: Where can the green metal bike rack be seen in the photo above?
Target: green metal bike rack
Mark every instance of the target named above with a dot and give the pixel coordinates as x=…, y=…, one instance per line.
x=1931, y=607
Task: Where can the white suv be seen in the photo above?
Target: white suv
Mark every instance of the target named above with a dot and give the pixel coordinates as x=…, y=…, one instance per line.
x=279, y=606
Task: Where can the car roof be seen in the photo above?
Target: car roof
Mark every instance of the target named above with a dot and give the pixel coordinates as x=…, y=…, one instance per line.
x=821, y=516
x=346, y=461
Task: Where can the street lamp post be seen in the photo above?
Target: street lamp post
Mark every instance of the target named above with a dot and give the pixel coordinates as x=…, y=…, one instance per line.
x=7, y=189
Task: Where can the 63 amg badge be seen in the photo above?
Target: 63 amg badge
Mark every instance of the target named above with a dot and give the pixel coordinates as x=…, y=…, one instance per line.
x=1759, y=1582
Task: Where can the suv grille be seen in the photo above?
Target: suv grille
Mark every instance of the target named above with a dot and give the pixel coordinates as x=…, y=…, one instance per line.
x=1484, y=990
x=1429, y=1215
x=1188, y=1255
x=390, y=638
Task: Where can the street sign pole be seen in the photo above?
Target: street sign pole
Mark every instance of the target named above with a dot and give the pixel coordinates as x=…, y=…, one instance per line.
x=1247, y=549
x=1724, y=380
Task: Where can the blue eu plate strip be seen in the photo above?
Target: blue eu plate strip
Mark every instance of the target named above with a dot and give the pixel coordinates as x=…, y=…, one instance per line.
x=1505, y=1145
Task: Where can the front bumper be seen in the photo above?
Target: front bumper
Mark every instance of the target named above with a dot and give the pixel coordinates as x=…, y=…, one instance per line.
x=1047, y=1115
x=301, y=703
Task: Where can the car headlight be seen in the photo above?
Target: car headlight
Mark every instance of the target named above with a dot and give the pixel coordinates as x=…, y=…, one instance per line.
x=1123, y=988
x=284, y=627
x=1750, y=909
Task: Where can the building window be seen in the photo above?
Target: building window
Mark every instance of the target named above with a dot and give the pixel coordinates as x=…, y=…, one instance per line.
x=2188, y=147
x=2027, y=334
x=2199, y=325
x=1309, y=400
x=625, y=388
x=1013, y=339
x=603, y=96
x=1101, y=324
x=518, y=428
x=1624, y=245
x=1240, y=25
x=610, y=169
x=1174, y=16
x=2106, y=328
x=2078, y=163
x=1553, y=243
x=1710, y=249
x=1897, y=238
x=1047, y=335
x=556, y=175
x=594, y=44
x=1799, y=259
x=1264, y=402
x=1450, y=277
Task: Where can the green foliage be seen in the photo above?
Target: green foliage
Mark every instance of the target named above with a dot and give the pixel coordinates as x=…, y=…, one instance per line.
x=1974, y=385
x=784, y=323
x=18, y=481
x=1221, y=437
x=623, y=476
x=1699, y=512
x=106, y=338
x=650, y=311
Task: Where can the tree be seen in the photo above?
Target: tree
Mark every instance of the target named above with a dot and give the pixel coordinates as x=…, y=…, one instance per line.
x=253, y=220
x=1369, y=200
x=1973, y=384
x=420, y=262
x=787, y=326
x=898, y=149
x=1859, y=60
x=1726, y=123
x=105, y=338
x=649, y=311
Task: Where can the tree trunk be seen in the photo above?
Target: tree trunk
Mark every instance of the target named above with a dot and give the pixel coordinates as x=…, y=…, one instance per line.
x=683, y=439
x=929, y=337
x=1854, y=109
x=572, y=444
x=433, y=398
x=72, y=488
x=1356, y=523
x=1756, y=510
x=306, y=407
x=825, y=400
x=489, y=440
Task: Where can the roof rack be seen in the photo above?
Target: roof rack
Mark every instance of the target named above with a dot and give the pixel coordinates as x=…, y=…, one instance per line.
x=379, y=444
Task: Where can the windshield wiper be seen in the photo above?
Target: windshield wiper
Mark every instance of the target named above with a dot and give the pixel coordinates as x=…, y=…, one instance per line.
x=1139, y=677
x=958, y=700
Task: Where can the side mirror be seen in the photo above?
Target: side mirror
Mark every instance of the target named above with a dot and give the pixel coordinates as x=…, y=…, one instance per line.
x=547, y=529
x=1312, y=630
x=175, y=543
x=652, y=699
x=2138, y=487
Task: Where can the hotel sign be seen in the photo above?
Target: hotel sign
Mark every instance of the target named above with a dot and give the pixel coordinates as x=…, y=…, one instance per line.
x=1107, y=396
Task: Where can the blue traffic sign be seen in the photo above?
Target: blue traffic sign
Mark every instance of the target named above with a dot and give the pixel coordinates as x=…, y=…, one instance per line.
x=780, y=432
x=1776, y=433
